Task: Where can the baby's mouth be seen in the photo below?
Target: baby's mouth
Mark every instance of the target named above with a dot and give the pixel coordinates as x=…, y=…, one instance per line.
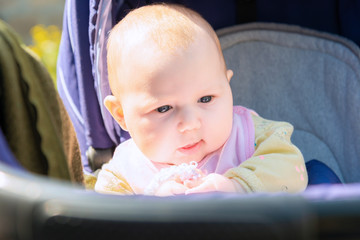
x=190, y=148
x=190, y=145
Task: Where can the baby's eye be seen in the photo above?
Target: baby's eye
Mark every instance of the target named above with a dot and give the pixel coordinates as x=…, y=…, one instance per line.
x=205, y=99
x=163, y=109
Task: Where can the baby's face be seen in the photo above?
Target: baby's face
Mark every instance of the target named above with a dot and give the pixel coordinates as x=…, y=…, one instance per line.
x=179, y=109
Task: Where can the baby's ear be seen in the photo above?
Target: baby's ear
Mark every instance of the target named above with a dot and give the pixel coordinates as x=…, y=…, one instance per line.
x=229, y=74
x=114, y=106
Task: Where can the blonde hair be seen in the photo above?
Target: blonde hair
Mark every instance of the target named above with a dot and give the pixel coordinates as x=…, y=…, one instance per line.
x=171, y=27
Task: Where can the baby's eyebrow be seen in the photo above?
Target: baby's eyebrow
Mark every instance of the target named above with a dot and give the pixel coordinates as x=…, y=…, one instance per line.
x=212, y=87
x=149, y=102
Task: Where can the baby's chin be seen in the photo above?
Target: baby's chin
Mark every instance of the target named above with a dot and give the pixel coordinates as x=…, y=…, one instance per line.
x=179, y=161
x=178, y=158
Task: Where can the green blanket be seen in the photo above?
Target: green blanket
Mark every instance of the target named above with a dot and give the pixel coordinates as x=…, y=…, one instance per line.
x=32, y=115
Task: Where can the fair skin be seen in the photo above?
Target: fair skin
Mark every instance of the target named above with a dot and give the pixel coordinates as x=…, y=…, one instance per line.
x=177, y=109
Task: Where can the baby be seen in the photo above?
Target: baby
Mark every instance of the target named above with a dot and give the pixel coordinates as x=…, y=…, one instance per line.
x=171, y=92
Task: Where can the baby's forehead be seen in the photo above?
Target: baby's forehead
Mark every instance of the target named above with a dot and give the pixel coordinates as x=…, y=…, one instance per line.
x=167, y=29
x=168, y=25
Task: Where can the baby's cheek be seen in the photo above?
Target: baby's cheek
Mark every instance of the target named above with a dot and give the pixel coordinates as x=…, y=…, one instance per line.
x=147, y=146
x=221, y=132
x=158, y=146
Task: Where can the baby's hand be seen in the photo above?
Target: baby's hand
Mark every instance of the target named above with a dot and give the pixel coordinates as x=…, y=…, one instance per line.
x=214, y=183
x=171, y=181
x=170, y=188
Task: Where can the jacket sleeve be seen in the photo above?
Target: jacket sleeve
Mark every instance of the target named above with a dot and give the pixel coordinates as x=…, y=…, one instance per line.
x=111, y=182
x=276, y=165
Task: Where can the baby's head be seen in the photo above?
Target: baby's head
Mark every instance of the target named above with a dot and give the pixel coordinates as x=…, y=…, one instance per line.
x=170, y=84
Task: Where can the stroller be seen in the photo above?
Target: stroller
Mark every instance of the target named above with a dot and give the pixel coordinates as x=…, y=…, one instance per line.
x=309, y=78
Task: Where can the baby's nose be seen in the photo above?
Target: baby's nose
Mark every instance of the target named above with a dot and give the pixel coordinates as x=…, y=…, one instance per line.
x=189, y=120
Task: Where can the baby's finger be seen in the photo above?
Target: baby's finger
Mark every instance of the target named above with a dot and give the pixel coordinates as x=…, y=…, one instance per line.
x=179, y=189
x=204, y=187
x=171, y=188
x=192, y=183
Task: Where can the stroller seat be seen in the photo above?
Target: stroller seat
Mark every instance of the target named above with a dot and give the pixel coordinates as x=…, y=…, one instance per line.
x=308, y=78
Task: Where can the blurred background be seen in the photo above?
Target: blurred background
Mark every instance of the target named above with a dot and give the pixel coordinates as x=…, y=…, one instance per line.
x=38, y=23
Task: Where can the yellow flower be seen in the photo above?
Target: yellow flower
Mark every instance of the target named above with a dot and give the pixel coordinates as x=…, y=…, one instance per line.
x=46, y=42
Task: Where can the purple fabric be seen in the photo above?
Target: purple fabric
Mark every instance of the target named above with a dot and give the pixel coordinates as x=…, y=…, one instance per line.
x=67, y=84
x=101, y=22
x=315, y=193
x=76, y=84
x=332, y=192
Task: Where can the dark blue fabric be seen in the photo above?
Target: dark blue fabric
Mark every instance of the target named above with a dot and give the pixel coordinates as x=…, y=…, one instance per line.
x=333, y=16
x=219, y=14
x=6, y=156
x=320, y=173
x=349, y=14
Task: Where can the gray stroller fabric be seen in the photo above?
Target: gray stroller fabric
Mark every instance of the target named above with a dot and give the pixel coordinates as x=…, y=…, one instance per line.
x=308, y=78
